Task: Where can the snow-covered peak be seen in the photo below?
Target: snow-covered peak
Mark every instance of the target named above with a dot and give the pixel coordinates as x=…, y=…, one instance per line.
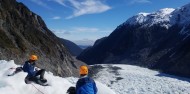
x=165, y=11
x=149, y=19
x=165, y=17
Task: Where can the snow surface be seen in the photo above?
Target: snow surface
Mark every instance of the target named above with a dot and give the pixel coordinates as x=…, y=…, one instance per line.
x=16, y=85
x=136, y=80
x=123, y=79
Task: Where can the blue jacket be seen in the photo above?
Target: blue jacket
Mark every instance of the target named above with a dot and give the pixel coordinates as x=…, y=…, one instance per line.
x=29, y=68
x=86, y=86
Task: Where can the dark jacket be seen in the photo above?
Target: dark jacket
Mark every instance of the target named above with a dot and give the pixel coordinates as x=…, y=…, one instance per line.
x=29, y=68
x=86, y=85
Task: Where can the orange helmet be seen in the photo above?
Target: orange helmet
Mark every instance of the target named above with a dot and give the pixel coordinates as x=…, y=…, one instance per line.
x=33, y=57
x=83, y=70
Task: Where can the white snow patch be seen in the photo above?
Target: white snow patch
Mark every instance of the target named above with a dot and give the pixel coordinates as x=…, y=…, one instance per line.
x=143, y=13
x=16, y=85
x=36, y=17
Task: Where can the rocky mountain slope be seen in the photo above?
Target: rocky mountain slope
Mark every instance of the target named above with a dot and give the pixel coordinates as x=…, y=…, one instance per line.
x=158, y=40
x=23, y=33
x=74, y=49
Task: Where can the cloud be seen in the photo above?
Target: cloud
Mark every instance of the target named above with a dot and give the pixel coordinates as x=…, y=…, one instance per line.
x=73, y=37
x=83, y=7
x=85, y=29
x=61, y=32
x=140, y=1
x=56, y=18
x=67, y=33
x=40, y=3
x=61, y=2
x=81, y=30
x=82, y=35
x=90, y=30
x=87, y=7
x=84, y=42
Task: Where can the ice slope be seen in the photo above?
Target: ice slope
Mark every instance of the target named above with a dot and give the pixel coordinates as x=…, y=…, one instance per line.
x=16, y=85
x=123, y=79
x=127, y=79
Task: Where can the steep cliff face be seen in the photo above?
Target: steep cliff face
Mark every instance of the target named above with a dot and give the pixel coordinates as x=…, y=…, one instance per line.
x=23, y=33
x=158, y=40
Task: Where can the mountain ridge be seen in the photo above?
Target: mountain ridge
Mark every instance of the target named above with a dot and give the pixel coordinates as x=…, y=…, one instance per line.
x=74, y=49
x=24, y=33
x=157, y=43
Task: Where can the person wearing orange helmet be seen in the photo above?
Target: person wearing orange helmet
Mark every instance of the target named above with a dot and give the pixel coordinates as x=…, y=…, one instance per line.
x=85, y=85
x=33, y=72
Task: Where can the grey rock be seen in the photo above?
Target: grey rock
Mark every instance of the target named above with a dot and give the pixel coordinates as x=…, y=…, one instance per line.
x=23, y=33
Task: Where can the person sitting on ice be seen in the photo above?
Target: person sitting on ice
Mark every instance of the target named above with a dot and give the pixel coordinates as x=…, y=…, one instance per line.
x=33, y=72
x=85, y=85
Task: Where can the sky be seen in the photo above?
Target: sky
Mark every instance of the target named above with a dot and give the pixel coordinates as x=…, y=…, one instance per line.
x=85, y=21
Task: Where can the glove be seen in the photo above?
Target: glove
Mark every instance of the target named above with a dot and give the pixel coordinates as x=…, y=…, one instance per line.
x=37, y=69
